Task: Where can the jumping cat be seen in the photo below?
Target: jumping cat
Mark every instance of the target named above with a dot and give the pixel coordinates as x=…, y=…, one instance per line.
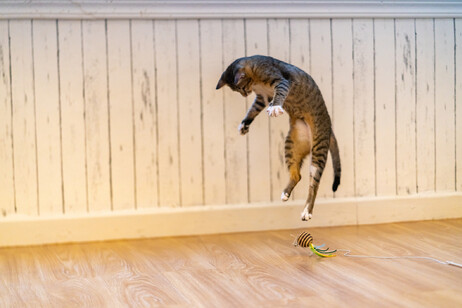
x=284, y=87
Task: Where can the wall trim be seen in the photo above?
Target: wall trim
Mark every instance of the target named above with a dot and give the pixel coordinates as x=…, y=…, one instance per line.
x=160, y=222
x=178, y=9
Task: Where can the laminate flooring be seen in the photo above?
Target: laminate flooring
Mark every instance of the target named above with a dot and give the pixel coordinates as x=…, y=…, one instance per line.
x=259, y=269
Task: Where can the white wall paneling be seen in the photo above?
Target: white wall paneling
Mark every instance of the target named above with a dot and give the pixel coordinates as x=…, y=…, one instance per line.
x=213, y=121
x=342, y=68
x=165, y=32
x=405, y=106
x=145, y=114
x=385, y=106
x=47, y=107
x=121, y=115
x=24, y=125
x=96, y=115
x=7, y=203
x=364, y=111
x=190, y=110
x=425, y=113
x=234, y=108
x=259, y=135
x=149, y=85
x=444, y=105
x=72, y=102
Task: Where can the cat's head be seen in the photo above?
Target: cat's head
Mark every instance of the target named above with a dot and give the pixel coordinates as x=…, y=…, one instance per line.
x=236, y=76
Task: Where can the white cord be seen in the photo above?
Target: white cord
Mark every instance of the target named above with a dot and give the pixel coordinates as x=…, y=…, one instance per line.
x=347, y=254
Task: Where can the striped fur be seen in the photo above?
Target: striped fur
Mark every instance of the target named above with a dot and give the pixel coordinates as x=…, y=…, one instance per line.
x=282, y=86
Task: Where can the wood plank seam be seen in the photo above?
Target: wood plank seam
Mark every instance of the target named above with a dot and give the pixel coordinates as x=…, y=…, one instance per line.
x=35, y=116
x=63, y=201
x=135, y=192
x=201, y=97
x=180, y=197
x=154, y=42
x=375, y=104
x=108, y=102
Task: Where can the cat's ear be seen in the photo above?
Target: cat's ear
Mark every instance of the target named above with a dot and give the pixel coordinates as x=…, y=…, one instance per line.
x=221, y=82
x=238, y=77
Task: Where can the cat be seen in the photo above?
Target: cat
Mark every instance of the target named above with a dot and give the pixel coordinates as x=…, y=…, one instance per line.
x=286, y=88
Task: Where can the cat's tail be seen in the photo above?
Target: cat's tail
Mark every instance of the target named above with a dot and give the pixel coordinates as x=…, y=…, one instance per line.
x=333, y=148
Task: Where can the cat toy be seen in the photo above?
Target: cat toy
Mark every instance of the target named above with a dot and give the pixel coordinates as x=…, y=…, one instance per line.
x=306, y=240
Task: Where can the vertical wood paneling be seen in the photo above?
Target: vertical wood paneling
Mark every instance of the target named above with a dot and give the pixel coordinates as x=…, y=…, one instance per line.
x=321, y=71
x=343, y=106
x=299, y=41
x=425, y=111
x=190, y=112
x=72, y=116
x=258, y=136
x=364, y=111
x=278, y=47
x=234, y=104
x=167, y=106
x=300, y=57
x=121, y=114
x=444, y=105
x=145, y=113
x=48, y=116
x=385, y=128
x=405, y=107
x=458, y=68
x=212, y=112
x=6, y=149
x=117, y=114
x=96, y=115
x=23, y=101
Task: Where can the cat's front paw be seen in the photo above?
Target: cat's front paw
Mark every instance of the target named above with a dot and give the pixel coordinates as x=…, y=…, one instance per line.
x=274, y=111
x=243, y=128
x=305, y=215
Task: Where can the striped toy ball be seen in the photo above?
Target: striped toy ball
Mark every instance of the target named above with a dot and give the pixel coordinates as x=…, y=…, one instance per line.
x=304, y=239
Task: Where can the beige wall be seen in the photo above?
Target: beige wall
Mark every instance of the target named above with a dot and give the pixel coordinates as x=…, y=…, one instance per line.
x=111, y=115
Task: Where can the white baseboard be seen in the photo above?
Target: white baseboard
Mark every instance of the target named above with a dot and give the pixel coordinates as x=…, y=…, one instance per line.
x=20, y=230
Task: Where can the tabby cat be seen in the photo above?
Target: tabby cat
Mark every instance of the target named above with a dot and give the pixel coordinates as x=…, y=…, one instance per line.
x=284, y=87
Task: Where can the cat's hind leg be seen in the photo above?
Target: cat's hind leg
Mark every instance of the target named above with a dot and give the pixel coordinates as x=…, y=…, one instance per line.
x=297, y=147
x=318, y=162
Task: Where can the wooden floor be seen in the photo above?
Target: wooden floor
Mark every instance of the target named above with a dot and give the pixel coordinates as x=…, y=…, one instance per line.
x=241, y=270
